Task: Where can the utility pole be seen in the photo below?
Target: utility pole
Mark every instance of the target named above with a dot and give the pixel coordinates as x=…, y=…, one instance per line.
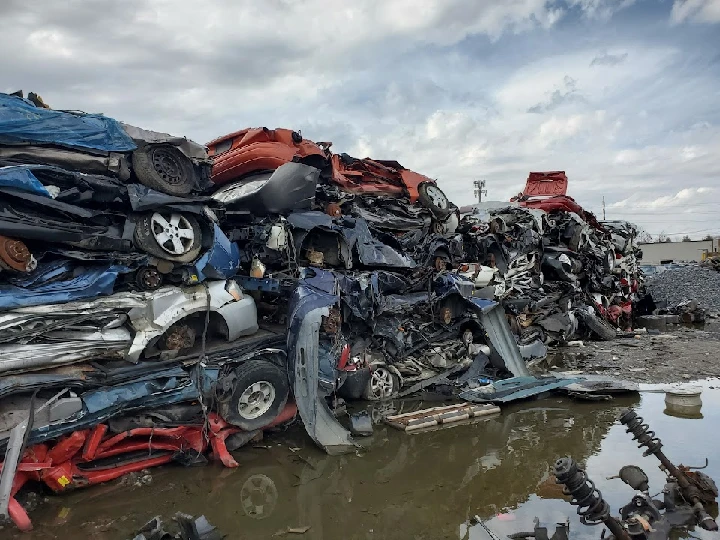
x=479, y=189
x=603, y=207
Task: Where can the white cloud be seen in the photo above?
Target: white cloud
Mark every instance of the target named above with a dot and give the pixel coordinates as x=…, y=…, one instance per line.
x=706, y=11
x=443, y=86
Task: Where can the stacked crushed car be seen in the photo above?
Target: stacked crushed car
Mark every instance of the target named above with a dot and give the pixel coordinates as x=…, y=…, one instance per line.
x=560, y=272
x=160, y=300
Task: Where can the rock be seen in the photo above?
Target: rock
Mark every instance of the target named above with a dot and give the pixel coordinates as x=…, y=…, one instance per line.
x=688, y=283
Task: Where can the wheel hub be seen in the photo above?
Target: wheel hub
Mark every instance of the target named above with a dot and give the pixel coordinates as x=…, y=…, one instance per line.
x=167, y=166
x=149, y=279
x=381, y=383
x=436, y=196
x=14, y=255
x=174, y=235
x=256, y=400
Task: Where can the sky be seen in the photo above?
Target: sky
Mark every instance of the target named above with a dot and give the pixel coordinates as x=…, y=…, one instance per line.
x=621, y=94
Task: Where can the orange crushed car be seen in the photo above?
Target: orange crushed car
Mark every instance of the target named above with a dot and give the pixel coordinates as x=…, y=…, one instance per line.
x=260, y=149
x=384, y=177
x=255, y=150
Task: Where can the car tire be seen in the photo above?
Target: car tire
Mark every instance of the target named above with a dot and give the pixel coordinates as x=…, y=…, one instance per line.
x=169, y=235
x=259, y=390
x=164, y=168
x=433, y=198
x=383, y=384
x=599, y=327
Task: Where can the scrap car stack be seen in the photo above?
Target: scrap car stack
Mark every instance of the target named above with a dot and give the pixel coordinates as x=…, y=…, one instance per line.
x=162, y=301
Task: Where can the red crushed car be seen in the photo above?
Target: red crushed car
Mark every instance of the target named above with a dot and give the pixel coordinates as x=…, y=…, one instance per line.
x=250, y=151
x=383, y=177
x=547, y=191
x=260, y=149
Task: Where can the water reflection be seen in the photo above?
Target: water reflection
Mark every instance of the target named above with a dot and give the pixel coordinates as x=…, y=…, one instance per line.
x=425, y=485
x=422, y=486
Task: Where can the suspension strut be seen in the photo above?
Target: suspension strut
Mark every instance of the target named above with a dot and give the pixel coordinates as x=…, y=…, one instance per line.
x=645, y=437
x=592, y=508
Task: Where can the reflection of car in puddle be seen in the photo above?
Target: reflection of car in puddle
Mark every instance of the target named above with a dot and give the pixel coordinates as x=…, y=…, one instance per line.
x=258, y=496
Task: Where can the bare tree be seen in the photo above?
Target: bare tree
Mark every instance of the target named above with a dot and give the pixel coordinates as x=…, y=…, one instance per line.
x=662, y=237
x=686, y=238
x=644, y=237
x=708, y=237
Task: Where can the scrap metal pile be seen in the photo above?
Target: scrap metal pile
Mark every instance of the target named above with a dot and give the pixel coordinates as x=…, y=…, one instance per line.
x=162, y=300
x=563, y=274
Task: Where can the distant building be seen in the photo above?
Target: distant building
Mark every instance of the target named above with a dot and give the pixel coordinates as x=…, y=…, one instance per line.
x=666, y=252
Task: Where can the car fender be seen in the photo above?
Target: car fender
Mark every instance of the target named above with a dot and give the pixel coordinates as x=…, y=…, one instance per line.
x=169, y=305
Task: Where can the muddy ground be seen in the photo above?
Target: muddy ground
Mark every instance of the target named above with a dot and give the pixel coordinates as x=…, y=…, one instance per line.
x=679, y=355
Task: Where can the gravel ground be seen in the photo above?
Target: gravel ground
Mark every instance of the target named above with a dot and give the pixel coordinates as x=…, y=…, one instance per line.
x=688, y=283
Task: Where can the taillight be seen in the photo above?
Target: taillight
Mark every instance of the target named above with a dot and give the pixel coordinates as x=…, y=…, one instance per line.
x=344, y=359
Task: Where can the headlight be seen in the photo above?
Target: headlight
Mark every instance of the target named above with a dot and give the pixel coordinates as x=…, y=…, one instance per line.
x=236, y=192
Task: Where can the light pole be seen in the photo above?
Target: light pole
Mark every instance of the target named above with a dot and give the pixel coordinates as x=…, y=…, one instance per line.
x=479, y=189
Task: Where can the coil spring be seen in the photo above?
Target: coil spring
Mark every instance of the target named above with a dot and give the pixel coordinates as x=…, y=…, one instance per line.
x=592, y=508
x=641, y=432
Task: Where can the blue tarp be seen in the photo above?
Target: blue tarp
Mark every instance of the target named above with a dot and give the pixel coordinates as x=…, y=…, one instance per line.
x=46, y=285
x=21, y=178
x=21, y=122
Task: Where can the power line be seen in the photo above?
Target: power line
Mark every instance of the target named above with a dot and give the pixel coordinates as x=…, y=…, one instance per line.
x=686, y=232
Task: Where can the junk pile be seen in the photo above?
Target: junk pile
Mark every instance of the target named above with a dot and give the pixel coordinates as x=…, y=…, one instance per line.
x=165, y=301
x=561, y=273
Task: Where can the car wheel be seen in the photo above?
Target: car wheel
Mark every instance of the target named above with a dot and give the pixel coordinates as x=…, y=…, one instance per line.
x=259, y=390
x=383, y=384
x=164, y=168
x=599, y=327
x=433, y=198
x=169, y=235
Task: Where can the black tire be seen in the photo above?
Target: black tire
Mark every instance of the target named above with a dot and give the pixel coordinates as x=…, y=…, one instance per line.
x=164, y=168
x=238, y=407
x=146, y=239
x=599, y=327
x=432, y=200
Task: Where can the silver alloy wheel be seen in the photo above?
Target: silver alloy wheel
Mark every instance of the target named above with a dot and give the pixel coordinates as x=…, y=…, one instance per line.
x=382, y=383
x=258, y=496
x=256, y=400
x=175, y=235
x=437, y=197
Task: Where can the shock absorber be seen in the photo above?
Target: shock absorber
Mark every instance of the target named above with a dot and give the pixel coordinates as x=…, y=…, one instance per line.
x=641, y=432
x=592, y=508
x=645, y=437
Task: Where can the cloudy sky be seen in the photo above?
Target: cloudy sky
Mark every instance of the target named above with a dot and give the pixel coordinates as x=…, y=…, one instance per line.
x=624, y=95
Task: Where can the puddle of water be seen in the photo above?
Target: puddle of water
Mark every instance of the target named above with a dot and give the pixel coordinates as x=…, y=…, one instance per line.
x=422, y=486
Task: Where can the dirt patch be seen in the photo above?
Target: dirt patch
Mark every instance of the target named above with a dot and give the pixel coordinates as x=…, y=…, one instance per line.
x=678, y=356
